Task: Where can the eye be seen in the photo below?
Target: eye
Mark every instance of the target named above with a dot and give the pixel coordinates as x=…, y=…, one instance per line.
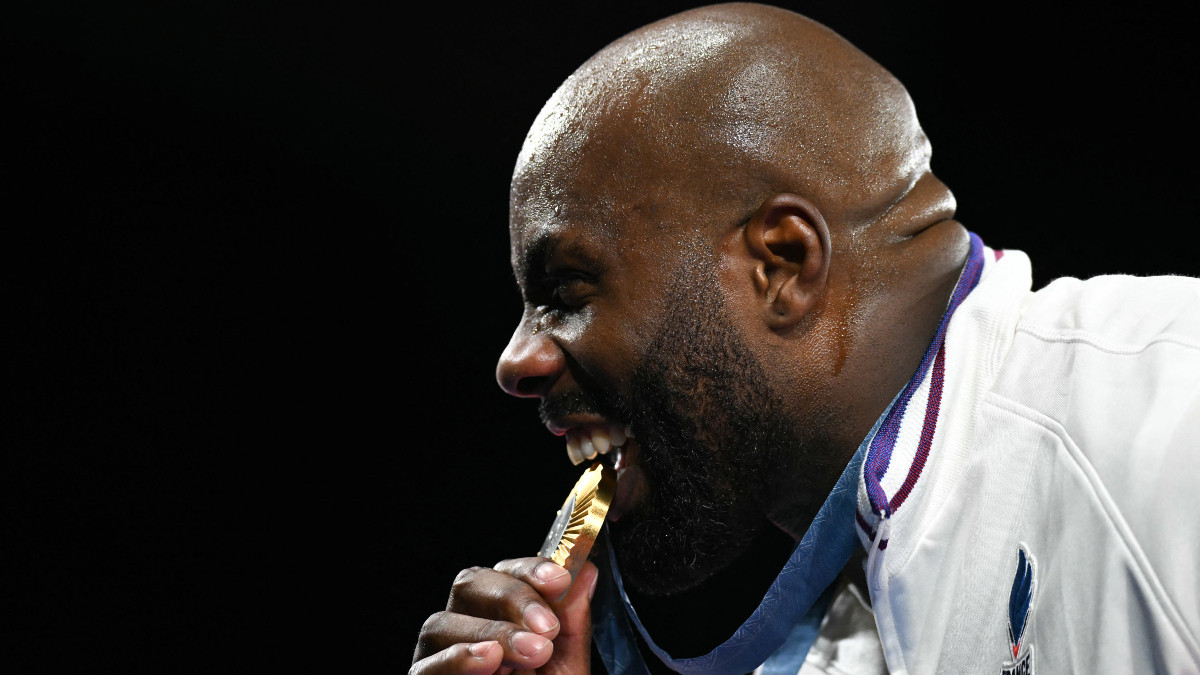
x=563, y=290
x=571, y=291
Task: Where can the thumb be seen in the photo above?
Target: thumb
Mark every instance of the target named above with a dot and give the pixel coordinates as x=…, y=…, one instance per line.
x=573, y=644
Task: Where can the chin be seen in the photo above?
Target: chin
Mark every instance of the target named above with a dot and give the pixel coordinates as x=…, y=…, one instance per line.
x=661, y=561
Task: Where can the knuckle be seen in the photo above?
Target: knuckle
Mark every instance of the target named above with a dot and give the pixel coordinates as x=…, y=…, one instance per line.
x=465, y=577
x=498, y=630
x=425, y=647
x=517, y=566
x=433, y=623
x=427, y=639
x=492, y=630
x=462, y=584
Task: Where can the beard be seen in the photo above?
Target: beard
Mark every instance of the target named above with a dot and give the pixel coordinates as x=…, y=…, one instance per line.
x=713, y=438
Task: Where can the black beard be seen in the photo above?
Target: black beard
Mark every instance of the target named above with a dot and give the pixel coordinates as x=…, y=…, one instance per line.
x=711, y=435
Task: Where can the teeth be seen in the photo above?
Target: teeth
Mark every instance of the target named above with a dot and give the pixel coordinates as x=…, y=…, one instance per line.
x=573, y=449
x=600, y=441
x=617, y=435
x=618, y=461
x=587, y=444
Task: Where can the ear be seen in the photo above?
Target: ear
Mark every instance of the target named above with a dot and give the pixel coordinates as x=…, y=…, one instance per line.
x=789, y=241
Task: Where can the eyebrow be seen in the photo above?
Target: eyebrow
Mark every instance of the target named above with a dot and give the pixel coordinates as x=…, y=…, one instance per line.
x=535, y=254
x=545, y=246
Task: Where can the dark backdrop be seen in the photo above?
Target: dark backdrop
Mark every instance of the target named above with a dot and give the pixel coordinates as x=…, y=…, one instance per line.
x=258, y=280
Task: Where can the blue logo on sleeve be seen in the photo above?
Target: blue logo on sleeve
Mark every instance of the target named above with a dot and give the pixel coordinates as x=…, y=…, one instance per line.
x=1020, y=603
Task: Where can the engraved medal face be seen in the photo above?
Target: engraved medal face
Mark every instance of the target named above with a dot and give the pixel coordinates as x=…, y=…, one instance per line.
x=554, y=536
x=578, y=522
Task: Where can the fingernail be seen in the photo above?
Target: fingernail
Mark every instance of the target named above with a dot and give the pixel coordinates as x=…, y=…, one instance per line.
x=480, y=649
x=548, y=572
x=539, y=619
x=528, y=644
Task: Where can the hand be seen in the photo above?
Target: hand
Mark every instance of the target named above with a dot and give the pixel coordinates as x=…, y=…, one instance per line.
x=513, y=617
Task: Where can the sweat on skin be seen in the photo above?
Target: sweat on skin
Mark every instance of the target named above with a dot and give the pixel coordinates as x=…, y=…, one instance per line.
x=751, y=167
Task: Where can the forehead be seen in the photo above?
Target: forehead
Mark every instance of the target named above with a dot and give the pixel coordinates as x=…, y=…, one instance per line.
x=572, y=225
x=607, y=159
x=587, y=190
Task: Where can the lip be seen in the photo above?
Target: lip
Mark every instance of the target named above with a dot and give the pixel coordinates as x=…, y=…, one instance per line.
x=559, y=426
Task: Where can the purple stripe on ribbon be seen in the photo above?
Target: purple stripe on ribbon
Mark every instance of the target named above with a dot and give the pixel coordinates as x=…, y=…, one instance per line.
x=864, y=525
x=927, y=430
x=880, y=454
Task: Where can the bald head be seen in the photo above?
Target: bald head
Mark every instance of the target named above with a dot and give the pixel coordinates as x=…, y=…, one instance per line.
x=730, y=104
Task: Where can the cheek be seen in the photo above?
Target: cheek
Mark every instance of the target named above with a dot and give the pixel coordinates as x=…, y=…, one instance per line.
x=629, y=319
x=573, y=330
x=609, y=349
x=738, y=284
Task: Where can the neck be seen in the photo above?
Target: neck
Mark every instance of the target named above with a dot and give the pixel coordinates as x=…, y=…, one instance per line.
x=872, y=333
x=694, y=622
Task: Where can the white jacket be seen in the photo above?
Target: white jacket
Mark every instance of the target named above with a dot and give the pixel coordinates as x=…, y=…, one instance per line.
x=1057, y=484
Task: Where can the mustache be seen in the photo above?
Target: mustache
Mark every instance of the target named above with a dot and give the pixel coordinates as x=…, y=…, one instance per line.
x=574, y=403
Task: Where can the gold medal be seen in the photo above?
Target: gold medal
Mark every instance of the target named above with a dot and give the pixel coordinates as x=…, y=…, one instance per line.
x=579, y=520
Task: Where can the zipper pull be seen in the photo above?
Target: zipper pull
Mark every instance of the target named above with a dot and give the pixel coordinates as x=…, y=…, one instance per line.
x=873, y=558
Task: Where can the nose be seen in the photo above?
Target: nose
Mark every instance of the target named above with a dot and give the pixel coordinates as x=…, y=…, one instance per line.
x=530, y=364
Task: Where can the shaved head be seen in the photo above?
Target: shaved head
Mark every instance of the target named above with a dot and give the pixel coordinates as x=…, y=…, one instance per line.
x=730, y=104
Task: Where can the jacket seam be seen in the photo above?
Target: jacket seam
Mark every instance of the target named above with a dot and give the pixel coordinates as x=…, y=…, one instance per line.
x=1078, y=336
x=1111, y=512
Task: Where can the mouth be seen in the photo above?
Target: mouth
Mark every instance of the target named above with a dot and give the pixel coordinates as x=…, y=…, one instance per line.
x=595, y=440
x=615, y=445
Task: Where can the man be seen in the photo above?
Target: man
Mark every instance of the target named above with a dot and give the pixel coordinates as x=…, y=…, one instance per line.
x=740, y=273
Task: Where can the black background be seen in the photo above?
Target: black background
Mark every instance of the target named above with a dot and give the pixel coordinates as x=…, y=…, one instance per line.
x=257, y=275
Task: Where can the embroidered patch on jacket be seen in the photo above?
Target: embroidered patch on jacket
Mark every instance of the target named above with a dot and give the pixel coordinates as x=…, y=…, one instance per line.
x=1020, y=606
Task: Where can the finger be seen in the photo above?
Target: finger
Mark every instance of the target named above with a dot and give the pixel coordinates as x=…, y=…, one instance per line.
x=480, y=658
x=549, y=579
x=513, y=594
x=522, y=649
x=574, y=608
x=573, y=646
